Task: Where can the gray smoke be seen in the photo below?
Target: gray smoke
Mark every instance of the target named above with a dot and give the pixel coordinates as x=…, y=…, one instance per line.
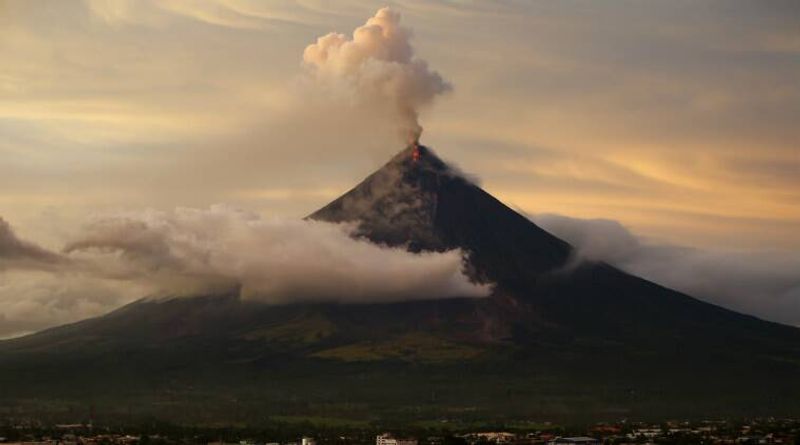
x=40, y=288
x=376, y=68
x=16, y=253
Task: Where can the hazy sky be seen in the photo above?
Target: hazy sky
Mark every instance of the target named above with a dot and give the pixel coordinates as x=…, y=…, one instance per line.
x=678, y=119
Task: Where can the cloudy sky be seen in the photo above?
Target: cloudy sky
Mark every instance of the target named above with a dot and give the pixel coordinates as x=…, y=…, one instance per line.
x=675, y=122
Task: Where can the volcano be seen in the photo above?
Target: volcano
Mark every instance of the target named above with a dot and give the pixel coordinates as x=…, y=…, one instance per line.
x=558, y=337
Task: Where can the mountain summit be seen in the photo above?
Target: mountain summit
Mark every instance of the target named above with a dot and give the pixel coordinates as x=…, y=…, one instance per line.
x=557, y=337
x=418, y=201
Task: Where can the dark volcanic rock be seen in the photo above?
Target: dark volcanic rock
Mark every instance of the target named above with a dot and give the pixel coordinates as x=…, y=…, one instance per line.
x=425, y=205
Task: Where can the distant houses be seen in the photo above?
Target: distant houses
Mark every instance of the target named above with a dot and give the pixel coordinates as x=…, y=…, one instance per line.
x=496, y=437
x=582, y=440
x=768, y=431
x=388, y=439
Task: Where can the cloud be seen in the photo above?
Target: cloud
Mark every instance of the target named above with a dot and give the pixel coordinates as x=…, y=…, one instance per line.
x=40, y=288
x=765, y=283
x=377, y=68
x=32, y=300
x=18, y=253
x=193, y=251
x=119, y=258
x=112, y=106
x=235, y=14
x=107, y=104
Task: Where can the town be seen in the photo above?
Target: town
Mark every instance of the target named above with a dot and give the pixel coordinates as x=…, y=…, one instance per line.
x=754, y=431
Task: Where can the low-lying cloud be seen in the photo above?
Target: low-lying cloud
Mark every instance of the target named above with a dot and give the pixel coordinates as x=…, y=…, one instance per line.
x=187, y=252
x=40, y=288
x=18, y=253
x=765, y=283
x=32, y=300
x=120, y=258
x=194, y=251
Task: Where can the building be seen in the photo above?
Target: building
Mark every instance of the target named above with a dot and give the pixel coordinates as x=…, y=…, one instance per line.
x=496, y=437
x=574, y=440
x=388, y=439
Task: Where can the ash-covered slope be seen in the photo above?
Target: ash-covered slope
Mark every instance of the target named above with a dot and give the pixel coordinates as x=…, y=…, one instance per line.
x=418, y=201
x=557, y=337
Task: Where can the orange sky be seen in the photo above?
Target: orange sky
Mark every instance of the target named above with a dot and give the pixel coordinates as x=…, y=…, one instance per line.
x=660, y=125
x=678, y=120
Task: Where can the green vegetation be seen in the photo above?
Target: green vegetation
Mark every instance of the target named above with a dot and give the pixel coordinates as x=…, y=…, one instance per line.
x=455, y=425
x=414, y=346
x=306, y=329
x=321, y=422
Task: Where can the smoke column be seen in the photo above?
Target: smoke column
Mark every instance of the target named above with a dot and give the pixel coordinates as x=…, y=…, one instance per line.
x=377, y=68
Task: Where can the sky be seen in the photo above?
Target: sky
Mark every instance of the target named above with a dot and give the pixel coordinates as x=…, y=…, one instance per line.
x=671, y=124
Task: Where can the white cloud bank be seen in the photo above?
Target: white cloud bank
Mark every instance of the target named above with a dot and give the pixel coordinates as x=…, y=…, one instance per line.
x=21, y=254
x=187, y=252
x=124, y=257
x=765, y=283
x=193, y=251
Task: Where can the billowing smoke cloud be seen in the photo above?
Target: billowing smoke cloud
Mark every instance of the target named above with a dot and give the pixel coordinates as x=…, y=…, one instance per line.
x=186, y=252
x=40, y=288
x=17, y=253
x=763, y=283
x=31, y=300
x=377, y=68
x=191, y=251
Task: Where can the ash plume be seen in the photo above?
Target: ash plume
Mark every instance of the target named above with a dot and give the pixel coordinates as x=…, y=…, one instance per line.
x=377, y=68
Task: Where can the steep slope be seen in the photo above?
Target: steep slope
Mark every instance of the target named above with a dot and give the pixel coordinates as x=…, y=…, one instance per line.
x=419, y=201
x=558, y=337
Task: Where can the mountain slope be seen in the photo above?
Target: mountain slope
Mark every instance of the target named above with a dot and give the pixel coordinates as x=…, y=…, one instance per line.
x=558, y=337
x=425, y=205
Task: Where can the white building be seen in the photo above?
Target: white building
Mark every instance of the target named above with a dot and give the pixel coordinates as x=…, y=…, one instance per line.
x=497, y=437
x=388, y=439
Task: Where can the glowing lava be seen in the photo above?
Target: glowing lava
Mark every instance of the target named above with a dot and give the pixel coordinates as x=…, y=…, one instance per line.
x=415, y=155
